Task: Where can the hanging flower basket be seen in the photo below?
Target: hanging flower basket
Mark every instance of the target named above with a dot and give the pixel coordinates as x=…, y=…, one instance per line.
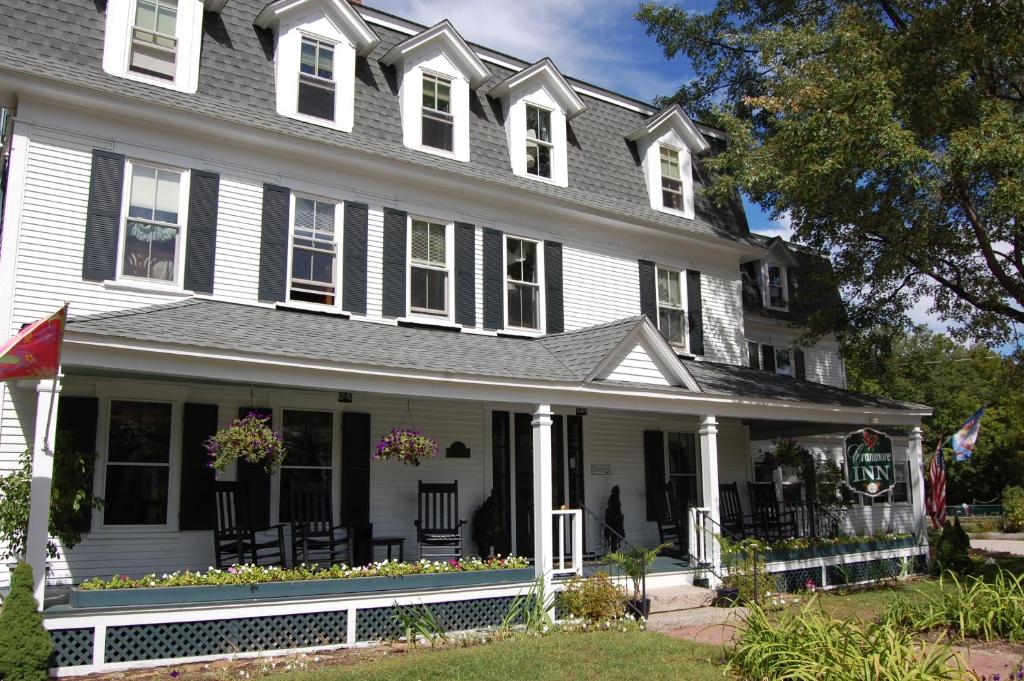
x=249, y=439
x=407, y=446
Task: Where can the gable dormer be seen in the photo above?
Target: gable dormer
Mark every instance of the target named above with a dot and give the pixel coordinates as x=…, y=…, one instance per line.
x=667, y=143
x=316, y=43
x=156, y=41
x=538, y=101
x=436, y=71
x=776, y=274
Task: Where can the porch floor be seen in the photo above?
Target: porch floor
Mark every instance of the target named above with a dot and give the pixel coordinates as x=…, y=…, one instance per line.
x=662, y=565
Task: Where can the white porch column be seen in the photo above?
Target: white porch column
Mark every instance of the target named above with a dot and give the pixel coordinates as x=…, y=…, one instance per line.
x=915, y=456
x=543, y=537
x=47, y=392
x=709, y=479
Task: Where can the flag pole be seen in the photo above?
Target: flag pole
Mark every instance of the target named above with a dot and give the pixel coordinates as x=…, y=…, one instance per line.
x=56, y=377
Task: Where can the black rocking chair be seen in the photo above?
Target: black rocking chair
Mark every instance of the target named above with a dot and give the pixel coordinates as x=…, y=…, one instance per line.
x=770, y=523
x=730, y=510
x=438, y=529
x=314, y=534
x=672, y=524
x=236, y=539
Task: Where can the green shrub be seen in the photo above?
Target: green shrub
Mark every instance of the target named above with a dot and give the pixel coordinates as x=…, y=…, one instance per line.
x=951, y=549
x=747, y=571
x=596, y=598
x=1013, y=509
x=809, y=644
x=25, y=646
x=982, y=524
x=972, y=608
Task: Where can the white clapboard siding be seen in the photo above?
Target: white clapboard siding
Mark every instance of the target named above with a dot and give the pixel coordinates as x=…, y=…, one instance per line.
x=637, y=367
x=374, y=261
x=239, y=226
x=598, y=286
x=824, y=365
x=723, y=316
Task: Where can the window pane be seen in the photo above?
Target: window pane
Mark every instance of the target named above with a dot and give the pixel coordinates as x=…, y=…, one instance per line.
x=775, y=276
x=307, y=438
x=168, y=184
x=143, y=192
x=325, y=62
x=429, y=290
x=420, y=240
x=783, y=365
x=308, y=61
x=669, y=292
x=522, y=260
x=682, y=459
x=438, y=132
x=753, y=355
x=149, y=251
x=145, y=15
x=167, y=18
x=538, y=124
x=140, y=432
x=135, y=495
x=316, y=99
x=436, y=248
x=290, y=476
x=670, y=322
x=522, y=306
x=444, y=96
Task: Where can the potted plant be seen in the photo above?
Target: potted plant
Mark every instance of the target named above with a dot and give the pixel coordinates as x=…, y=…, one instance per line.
x=700, y=578
x=748, y=574
x=407, y=446
x=249, y=438
x=634, y=564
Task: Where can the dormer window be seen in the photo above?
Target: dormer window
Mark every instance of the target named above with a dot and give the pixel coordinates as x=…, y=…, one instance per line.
x=316, y=79
x=438, y=124
x=538, y=141
x=671, y=179
x=777, y=287
x=154, y=45
x=667, y=143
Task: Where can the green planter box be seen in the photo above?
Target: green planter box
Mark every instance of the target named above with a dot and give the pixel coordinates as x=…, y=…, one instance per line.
x=273, y=590
x=837, y=550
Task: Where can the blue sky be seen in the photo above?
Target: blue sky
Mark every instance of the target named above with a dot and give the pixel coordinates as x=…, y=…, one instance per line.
x=598, y=41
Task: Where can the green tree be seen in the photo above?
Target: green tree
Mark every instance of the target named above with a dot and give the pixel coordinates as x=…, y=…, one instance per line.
x=925, y=367
x=890, y=131
x=25, y=646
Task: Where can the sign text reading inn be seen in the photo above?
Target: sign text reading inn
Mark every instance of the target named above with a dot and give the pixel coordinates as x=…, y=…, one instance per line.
x=869, y=461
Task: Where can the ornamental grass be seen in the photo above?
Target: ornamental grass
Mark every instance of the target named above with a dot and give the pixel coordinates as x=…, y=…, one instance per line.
x=967, y=607
x=809, y=646
x=260, y=574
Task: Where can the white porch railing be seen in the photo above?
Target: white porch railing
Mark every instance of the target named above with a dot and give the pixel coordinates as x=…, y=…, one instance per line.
x=568, y=527
x=702, y=538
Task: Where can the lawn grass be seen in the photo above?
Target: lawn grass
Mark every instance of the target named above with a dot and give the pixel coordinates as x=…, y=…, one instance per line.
x=607, y=655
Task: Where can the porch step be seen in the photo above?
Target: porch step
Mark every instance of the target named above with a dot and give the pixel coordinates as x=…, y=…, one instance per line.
x=675, y=598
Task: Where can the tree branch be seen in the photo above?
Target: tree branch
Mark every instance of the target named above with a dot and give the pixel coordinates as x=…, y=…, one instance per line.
x=1013, y=288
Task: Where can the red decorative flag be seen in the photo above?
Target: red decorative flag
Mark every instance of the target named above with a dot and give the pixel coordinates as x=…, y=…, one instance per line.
x=35, y=351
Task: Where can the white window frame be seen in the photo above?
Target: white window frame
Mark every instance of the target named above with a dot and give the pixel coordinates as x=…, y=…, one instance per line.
x=176, y=284
x=339, y=216
x=792, y=361
x=757, y=350
x=139, y=393
x=541, y=310
x=317, y=78
x=117, y=43
x=426, y=112
x=537, y=142
x=449, y=247
x=684, y=343
x=275, y=478
x=698, y=472
x=680, y=159
x=650, y=147
x=783, y=274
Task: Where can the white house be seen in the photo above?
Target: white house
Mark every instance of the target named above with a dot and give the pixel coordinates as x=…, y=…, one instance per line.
x=351, y=221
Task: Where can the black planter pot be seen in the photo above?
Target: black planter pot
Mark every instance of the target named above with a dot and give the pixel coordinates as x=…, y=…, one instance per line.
x=702, y=582
x=726, y=597
x=640, y=609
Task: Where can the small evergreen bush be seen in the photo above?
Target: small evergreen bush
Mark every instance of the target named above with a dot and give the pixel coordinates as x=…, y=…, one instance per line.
x=951, y=549
x=1013, y=509
x=595, y=598
x=25, y=646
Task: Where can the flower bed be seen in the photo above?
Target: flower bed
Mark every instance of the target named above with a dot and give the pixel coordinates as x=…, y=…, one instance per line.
x=246, y=582
x=801, y=548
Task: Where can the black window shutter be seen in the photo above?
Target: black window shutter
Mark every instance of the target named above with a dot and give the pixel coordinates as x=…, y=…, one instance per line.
x=196, y=511
x=274, y=243
x=501, y=477
x=801, y=366
x=77, y=417
x=355, y=467
x=395, y=235
x=768, y=358
x=648, y=291
x=353, y=275
x=754, y=355
x=465, y=274
x=103, y=216
x=553, y=284
x=654, y=470
x=557, y=461
x=253, y=479
x=201, y=241
x=695, y=312
x=494, y=280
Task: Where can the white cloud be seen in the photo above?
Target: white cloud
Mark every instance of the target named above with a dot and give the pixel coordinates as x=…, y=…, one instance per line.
x=782, y=226
x=921, y=313
x=594, y=40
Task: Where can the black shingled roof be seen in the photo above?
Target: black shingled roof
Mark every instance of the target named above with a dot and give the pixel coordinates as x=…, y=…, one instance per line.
x=63, y=41
x=569, y=356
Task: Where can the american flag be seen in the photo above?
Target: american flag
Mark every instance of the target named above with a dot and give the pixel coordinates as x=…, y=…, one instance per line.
x=937, y=488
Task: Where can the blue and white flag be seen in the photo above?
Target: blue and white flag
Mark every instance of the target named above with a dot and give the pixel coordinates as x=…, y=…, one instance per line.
x=964, y=439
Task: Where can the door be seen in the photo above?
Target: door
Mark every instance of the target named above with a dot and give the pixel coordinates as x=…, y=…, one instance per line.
x=683, y=474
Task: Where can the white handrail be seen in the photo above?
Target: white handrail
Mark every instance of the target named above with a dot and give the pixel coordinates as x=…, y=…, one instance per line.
x=700, y=534
x=569, y=531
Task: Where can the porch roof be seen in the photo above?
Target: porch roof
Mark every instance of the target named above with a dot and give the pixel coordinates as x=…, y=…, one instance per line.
x=573, y=356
